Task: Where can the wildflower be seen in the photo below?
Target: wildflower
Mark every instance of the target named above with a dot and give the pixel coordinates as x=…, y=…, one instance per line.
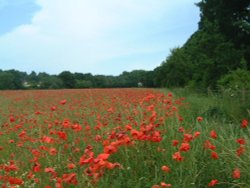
x=196, y=134
x=244, y=123
x=103, y=156
x=180, y=118
x=12, y=119
x=214, y=155
x=209, y=145
x=110, y=149
x=236, y=173
x=199, y=119
x=241, y=141
x=181, y=129
x=213, y=134
x=15, y=181
x=47, y=139
x=62, y=135
x=62, y=102
x=175, y=142
x=53, y=108
x=212, y=183
x=71, y=166
x=36, y=167
x=188, y=138
x=165, y=168
x=184, y=147
x=49, y=170
x=70, y=178
x=98, y=138
x=52, y=151
x=177, y=156
x=240, y=150
x=163, y=184
x=30, y=175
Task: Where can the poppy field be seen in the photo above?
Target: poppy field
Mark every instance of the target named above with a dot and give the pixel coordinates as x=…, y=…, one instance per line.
x=122, y=138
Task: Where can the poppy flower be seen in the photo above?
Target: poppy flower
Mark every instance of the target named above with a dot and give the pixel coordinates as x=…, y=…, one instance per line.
x=214, y=155
x=62, y=102
x=241, y=141
x=175, y=142
x=163, y=184
x=241, y=150
x=244, y=123
x=196, y=134
x=177, y=156
x=15, y=181
x=188, y=137
x=236, y=173
x=71, y=166
x=213, y=183
x=62, y=135
x=199, y=119
x=213, y=134
x=165, y=168
x=184, y=147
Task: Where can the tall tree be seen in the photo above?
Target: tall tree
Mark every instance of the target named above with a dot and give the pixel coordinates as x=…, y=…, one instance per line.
x=68, y=79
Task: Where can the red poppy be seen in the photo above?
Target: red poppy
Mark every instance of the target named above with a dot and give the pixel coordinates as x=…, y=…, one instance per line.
x=62, y=102
x=241, y=150
x=52, y=151
x=213, y=134
x=241, y=141
x=196, y=134
x=236, y=173
x=214, y=155
x=175, y=142
x=177, y=156
x=36, y=167
x=71, y=166
x=184, y=147
x=212, y=183
x=209, y=145
x=165, y=168
x=62, y=135
x=244, y=123
x=53, y=108
x=188, y=137
x=103, y=156
x=70, y=178
x=199, y=119
x=15, y=181
x=163, y=184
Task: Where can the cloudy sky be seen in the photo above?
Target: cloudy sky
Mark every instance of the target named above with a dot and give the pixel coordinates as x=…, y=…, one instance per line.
x=92, y=36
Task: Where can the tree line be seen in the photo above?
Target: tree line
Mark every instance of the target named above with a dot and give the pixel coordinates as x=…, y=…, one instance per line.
x=218, y=50
x=217, y=54
x=14, y=79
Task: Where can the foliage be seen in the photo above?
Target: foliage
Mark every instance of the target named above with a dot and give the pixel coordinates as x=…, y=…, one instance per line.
x=236, y=80
x=214, y=50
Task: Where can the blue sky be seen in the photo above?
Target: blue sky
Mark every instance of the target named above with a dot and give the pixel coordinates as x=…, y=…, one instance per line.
x=96, y=36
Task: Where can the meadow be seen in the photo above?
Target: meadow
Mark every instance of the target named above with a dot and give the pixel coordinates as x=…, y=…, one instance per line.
x=123, y=138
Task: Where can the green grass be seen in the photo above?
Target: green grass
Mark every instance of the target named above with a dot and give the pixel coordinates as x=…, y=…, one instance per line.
x=141, y=161
x=142, y=165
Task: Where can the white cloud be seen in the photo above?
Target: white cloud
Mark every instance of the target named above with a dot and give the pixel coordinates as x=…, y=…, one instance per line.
x=81, y=35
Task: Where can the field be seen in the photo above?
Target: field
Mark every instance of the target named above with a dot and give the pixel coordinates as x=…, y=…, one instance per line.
x=124, y=138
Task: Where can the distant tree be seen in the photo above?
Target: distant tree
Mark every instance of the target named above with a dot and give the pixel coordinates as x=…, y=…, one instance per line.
x=68, y=79
x=51, y=82
x=7, y=80
x=83, y=84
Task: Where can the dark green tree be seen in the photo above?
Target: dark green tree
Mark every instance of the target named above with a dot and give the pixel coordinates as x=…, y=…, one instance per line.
x=68, y=79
